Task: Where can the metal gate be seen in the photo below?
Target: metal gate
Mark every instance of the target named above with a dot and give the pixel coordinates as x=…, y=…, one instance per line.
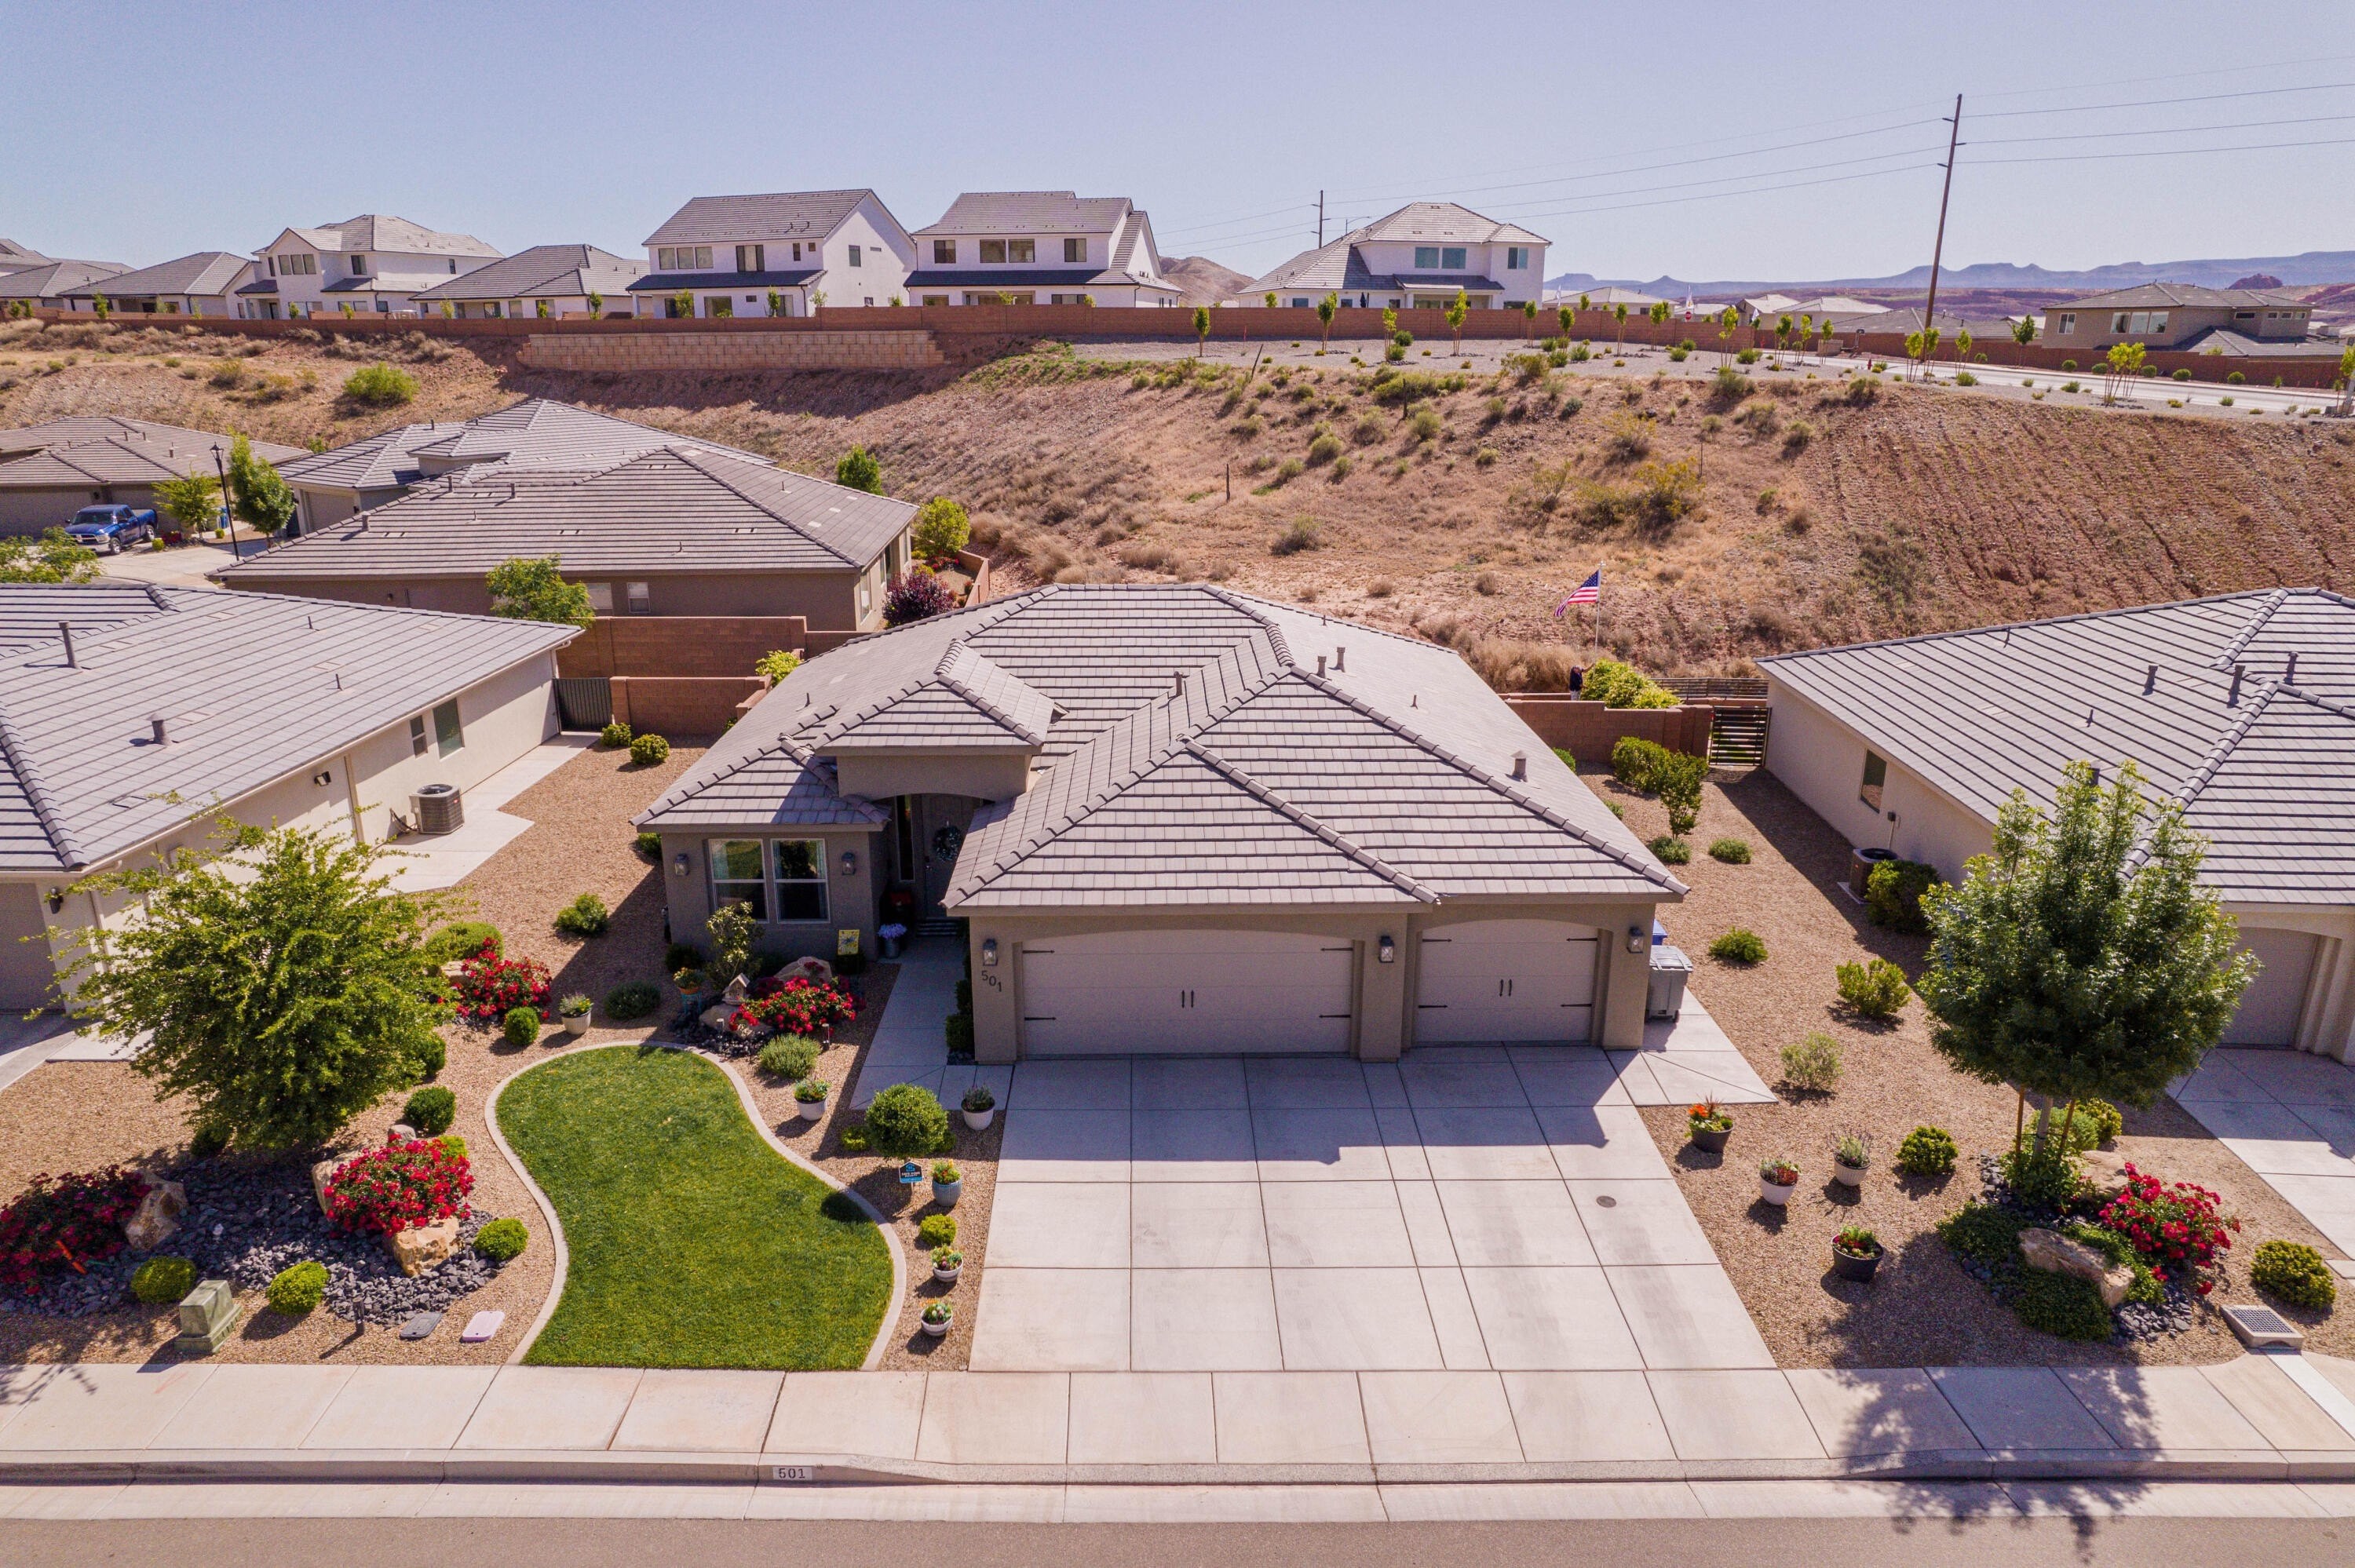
x=585, y=702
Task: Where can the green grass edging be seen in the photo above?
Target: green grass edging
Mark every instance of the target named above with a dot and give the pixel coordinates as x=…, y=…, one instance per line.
x=692, y=1243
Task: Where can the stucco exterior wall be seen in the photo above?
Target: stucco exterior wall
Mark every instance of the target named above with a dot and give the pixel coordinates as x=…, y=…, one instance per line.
x=983, y=776
x=1821, y=761
x=851, y=896
x=34, y=508
x=829, y=601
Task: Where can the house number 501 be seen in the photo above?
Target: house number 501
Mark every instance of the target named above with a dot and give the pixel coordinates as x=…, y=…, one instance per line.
x=793, y=1473
x=993, y=982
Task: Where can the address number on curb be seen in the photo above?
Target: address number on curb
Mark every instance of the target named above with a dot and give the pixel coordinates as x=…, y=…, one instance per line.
x=792, y=1472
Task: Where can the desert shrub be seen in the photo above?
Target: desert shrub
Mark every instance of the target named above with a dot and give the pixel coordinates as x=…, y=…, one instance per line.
x=1367, y=429
x=1892, y=894
x=2061, y=1304
x=502, y=1241
x=1927, y=1151
x=165, y=1279
x=1325, y=447
x=615, y=736
x=461, y=939
x=634, y=999
x=520, y=1027
x=1797, y=437
x=380, y=386
x=1676, y=779
x=941, y=528
x=398, y=1185
x=936, y=1231
x=1633, y=758
x=584, y=916
x=1813, y=1063
x=648, y=844
x=1732, y=852
x=1485, y=457
x=1669, y=850
x=2183, y=375
x=905, y=1119
x=1618, y=685
x=1965, y=378
x=1630, y=441
x=792, y=1057
x=1739, y=946
x=777, y=663
x=858, y=469
x=1300, y=534
x=296, y=1292
x=431, y=1110
x=1875, y=989
x=2236, y=378
x=1405, y=387
x=648, y=750
x=2293, y=1273
x=2092, y=1124
x=1747, y=356
x=1729, y=386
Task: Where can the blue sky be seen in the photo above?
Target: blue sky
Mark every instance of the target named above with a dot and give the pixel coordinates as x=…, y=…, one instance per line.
x=137, y=132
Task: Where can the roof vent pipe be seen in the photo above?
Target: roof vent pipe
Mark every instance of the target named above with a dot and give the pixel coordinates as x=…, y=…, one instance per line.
x=2289, y=672
x=1341, y=659
x=2150, y=680
x=65, y=635
x=2233, y=698
x=1320, y=664
x=1178, y=687
x=1520, y=765
x=162, y=730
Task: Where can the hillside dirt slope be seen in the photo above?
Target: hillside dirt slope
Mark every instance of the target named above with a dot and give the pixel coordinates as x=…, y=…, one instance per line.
x=1817, y=515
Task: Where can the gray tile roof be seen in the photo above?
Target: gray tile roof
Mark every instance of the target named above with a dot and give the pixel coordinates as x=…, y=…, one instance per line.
x=383, y=461
x=1431, y=222
x=537, y=432
x=82, y=782
x=79, y=427
x=2269, y=776
x=14, y=256
x=381, y=231
x=545, y=271
x=1031, y=212
x=2188, y=295
x=1200, y=748
x=29, y=613
x=121, y=459
x=673, y=509
x=50, y=279
x=672, y=282
x=203, y=272
x=781, y=214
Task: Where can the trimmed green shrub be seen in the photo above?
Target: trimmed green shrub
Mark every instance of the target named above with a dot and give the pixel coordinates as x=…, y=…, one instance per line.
x=2091, y=1125
x=1671, y=849
x=1892, y=894
x=648, y=844
x=2051, y=1181
x=634, y=999
x=2236, y=378
x=164, y=1279
x=1874, y=990
x=1618, y=685
x=453, y=1145
x=936, y=1231
x=1984, y=1233
x=296, y=1292
x=2061, y=1304
x=431, y=1111
x=1632, y=760
x=461, y=939
x=1732, y=852
x=1677, y=778
x=958, y=1030
x=2293, y=1273
x=649, y=749
x=521, y=1026
x=792, y=1057
x=1739, y=946
x=1812, y=1063
x=1567, y=759
x=502, y=1241
x=615, y=736
x=432, y=1055
x=1928, y=1151
x=905, y=1119
x=2183, y=375
x=380, y=386
x=210, y=1142
x=584, y=916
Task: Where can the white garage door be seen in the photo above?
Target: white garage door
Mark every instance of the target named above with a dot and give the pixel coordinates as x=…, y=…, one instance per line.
x=1119, y=994
x=2270, y=1007
x=1506, y=980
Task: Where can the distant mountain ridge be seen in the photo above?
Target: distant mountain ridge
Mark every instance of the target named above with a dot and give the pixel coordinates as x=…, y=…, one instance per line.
x=2302, y=270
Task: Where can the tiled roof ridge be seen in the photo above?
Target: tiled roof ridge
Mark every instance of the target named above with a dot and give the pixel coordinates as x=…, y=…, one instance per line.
x=692, y=460
x=1799, y=656
x=2263, y=614
x=2213, y=763
x=19, y=759
x=1323, y=830
x=679, y=795
x=954, y=682
x=1274, y=632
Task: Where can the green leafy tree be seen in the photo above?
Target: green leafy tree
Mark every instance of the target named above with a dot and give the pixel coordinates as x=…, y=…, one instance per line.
x=1457, y=309
x=1568, y=320
x=1528, y=319
x=2023, y=333
x=99, y=305
x=2346, y=380
x=258, y=497
x=1784, y=325
x=54, y=557
x=777, y=301
x=1325, y=308
x=1268, y=299
x=1619, y=318
x=284, y=985
x=2122, y=363
x=1659, y=312
x=1727, y=320
x=860, y=470
x=941, y=528
x=2081, y=958
x=1963, y=345
x=1584, y=303
x=596, y=303
x=682, y=304
x=1201, y=328
x=190, y=502
x=532, y=588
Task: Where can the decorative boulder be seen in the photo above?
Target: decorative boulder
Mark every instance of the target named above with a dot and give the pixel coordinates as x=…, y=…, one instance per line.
x=401, y=1132
x=2107, y=1170
x=319, y=1175
x=158, y=1216
x=718, y=1017
x=419, y=1248
x=2056, y=1253
x=810, y=968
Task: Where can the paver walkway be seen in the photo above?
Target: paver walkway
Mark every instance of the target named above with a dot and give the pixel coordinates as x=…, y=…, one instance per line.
x=911, y=1045
x=2290, y=1115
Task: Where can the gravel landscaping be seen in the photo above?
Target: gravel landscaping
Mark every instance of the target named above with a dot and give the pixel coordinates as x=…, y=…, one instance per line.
x=1924, y=1307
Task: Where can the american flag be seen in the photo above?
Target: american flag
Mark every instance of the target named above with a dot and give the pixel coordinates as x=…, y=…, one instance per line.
x=1588, y=592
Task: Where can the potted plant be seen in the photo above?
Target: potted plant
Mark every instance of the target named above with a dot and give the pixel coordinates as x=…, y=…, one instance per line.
x=574, y=1011
x=1777, y=1180
x=1856, y=1253
x=939, y=1314
x=1709, y=1126
x=890, y=936
x=690, y=983
x=947, y=1182
x=1851, y=1155
x=810, y=1095
x=979, y=1105
x=946, y=1262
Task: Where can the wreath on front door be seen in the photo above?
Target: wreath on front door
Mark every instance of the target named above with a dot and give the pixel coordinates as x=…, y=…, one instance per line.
x=947, y=841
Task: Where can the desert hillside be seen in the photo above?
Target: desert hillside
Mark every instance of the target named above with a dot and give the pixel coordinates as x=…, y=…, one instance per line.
x=1728, y=522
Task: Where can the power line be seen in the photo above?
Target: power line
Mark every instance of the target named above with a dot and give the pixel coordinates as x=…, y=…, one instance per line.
x=2165, y=131
x=2179, y=76
x=2174, y=152
x=1244, y=217
x=2161, y=102
x=1722, y=195
x=1760, y=174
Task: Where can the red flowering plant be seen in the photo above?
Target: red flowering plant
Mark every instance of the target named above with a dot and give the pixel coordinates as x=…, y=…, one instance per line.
x=796, y=1007
x=489, y=986
x=65, y=1222
x=399, y=1187
x=2173, y=1228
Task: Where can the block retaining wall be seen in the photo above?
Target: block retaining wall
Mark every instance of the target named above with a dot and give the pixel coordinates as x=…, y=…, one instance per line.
x=634, y=353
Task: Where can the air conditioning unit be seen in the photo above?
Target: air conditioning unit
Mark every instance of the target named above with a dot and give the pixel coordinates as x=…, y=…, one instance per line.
x=440, y=809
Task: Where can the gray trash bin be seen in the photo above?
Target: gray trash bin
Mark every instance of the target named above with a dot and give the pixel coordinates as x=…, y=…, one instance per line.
x=1670, y=970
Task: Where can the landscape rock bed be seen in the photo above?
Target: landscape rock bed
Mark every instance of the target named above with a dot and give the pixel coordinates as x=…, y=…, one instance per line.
x=2137, y=1321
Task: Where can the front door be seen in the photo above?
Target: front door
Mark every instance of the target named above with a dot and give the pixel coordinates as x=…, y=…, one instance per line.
x=940, y=827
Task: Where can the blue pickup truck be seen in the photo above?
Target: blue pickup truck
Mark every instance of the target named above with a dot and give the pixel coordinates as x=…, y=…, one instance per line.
x=112, y=529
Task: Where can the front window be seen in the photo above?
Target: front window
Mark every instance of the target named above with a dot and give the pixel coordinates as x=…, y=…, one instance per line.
x=448, y=736
x=1450, y=259
x=936, y=299
x=1876, y=774
x=418, y=740
x=682, y=258
x=739, y=876
x=1516, y=258
x=943, y=252
x=1426, y=258
x=719, y=305
x=1075, y=250
x=855, y=255
x=993, y=250
x=2068, y=323
x=751, y=258
x=773, y=879
x=642, y=599
x=2119, y=321
x=1021, y=250
x=801, y=879
x=601, y=598
x=359, y=267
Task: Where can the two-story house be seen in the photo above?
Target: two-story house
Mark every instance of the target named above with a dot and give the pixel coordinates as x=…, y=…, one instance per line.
x=375, y=264
x=781, y=254
x=1040, y=247
x=1416, y=258
x=2182, y=316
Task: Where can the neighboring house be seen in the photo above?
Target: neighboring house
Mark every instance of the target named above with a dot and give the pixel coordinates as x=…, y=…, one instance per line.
x=1039, y=248
x=15, y=257
x=49, y=471
x=1602, y=298
x=2183, y=317
x=124, y=741
x=43, y=284
x=1175, y=818
x=537, y=432
x=728, y=254
x=1416, y=258
x=373, y=264
x=554, y=279
x=682, y=529
x=203, y=284
x=2242, y=707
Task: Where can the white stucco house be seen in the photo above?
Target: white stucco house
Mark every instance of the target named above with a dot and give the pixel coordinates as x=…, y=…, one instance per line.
x=1416, y=258
x=556, y=281
x=780, y=254
x=375, y=264
x=2242, y=707
x=1040, y=247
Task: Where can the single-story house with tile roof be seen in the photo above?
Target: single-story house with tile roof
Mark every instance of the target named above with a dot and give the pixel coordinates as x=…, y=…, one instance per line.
x=2242, y=707
x=537, y=432
x=121, y=740
x=1415, y=259
x=1179, y=820
x=50, y=471
x=203, y=284
x=1039, y=248
x=2180, y=316
x=733, y=255
x=561, y=277
x=43, y=284
x=676, y=529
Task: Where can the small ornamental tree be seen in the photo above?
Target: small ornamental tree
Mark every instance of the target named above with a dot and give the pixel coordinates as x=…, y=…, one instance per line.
x=1457, y=309
x=1268, y=299
x=1566, y=317
x=1727, y=320
x=2082, y=957
x=860, y=470
x=189, y=501
x=531, y=589
x=54, y=557
x=2122, y=363
x=1963, y=345
x=915, y=595
x=98, y=303
x=596, y=303
x=941, y=528
x=1528, y=319
x=1201, y=329
x=258, y=496
x=1619, y=320
x=1325, y=308
x=285, y=984
x=2023, y=333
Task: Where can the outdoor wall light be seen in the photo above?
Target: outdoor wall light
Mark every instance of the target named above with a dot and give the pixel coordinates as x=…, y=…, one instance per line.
x=56, y=899
x=681, y=864
x=1385, y=951
x=1636, y=938
x=989, y=952
x=851, y=863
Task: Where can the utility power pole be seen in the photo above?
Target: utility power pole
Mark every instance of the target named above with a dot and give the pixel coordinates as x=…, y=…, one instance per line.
x=1320, y=221
x=1938, y=250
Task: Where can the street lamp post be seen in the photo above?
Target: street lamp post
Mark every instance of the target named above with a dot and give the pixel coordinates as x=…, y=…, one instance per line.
x=229, y=520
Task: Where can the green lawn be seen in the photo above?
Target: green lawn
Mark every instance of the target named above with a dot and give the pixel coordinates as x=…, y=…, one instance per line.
x=693, y=1242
